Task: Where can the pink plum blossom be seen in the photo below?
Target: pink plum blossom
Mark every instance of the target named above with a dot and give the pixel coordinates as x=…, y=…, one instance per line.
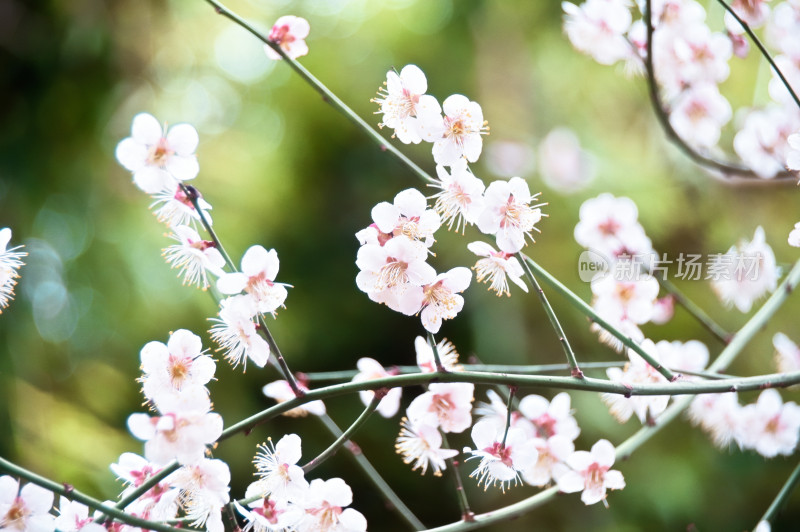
x=699, y=114
x=9, y=264
x=74, y=516
x=460, y=198
x=597, y=28
x=550, y=418
x=204, y=490
x=592, y=474
x=787, y=354
x=288, y=32
x=325, y=508
x=408, y=216
x=458, y=133
x=637, y=371
x=447, y=355
x=441, y=299
x=257, y=279
x=446, y=405
x=369, y=369
x=769, y=426
x=497, y=267
x=277, y=469
x=25, y=509
x=421, y=443
x=399, y=100
x=194, y=257
x=508, y=214
x=718, y=414
x=502, y=460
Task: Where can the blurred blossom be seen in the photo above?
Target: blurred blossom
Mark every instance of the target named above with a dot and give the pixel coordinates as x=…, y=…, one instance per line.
x=507, y=158
x=240, y=56
x=563, y=164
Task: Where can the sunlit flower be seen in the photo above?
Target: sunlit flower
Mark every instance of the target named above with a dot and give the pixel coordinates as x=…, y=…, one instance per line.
x=194, y=257
x=204, y=490
x=509, y=214
x=550, y=418
x=591, y=473
x=257, y=279
x=399, y=99
x=159, y=161
x=408, y=216
x=421, y=444
x=236, y=333
x=277, y=469
x=447, y=355
x=9, y=264
x=25, y=509
x=458, y=133
x=289, y=33
x=446, y=405
x=633, y=300
x=769, y=426
x=441, y=299
x=174, y=208
x=497, y=267
x=325, y=508
x=460, y=198
x=502, y=460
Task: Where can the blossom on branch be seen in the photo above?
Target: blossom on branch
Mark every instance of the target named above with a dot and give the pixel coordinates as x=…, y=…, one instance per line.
x=458, y=133
x=509, y=215
x=289, y=33
x=421, y=443
x=194, y=257
x=25, y=509
x=257, y=280
x=400, y=100
x=591, y=473
x=497, y=267
x=236, y=333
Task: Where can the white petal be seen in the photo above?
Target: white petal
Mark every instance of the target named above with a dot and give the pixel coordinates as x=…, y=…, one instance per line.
x=183, y=168
x=145, y=129
x=183, y=139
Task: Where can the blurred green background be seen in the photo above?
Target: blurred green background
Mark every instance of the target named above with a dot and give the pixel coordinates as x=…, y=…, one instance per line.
x=285, y=170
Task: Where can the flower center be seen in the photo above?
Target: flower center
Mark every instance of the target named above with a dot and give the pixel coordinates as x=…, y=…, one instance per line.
x=437, y=294
x=159, y=153
x=518, y=215
x=179, y=369
x=393, y=273
x=16, y=514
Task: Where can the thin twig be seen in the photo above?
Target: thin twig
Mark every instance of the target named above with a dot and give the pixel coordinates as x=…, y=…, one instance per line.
x=780, y=499
x=467, y=515
x=694, y=310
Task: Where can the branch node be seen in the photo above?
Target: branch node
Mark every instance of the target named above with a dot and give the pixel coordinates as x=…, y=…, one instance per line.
x=68, y=488
x=577, y=373
x=468, y=517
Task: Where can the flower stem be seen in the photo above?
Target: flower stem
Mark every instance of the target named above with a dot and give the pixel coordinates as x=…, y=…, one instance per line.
x=551, y=315
x=194, y=196
x=587, y=310
x=662, y=114
x=284, y=367
x=326, y=93
x=65, y=490
x=345, y=436
x=432, y=343
x=512, y=391
x=372, y=473
x=467, y=515
x=780, y=499
x=143, y=488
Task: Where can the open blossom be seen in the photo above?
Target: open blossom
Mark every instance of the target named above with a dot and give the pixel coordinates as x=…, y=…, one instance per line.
x=441, y=299
x=787, y=354
x=369, y=369
x=592, y=474
x=460, y=198
x=325, y=508
x=502, y=460
x=194, y=257
x=446, y=405
x=762, y=142
x=699, y=114
x=689, y=356
x=174, y=208
x=159, y=502
x=282, y=391
x=399, y=101
x=496, y=411
x=25, y=509
x=632, y=301
x=597, y=28
x=268, y=514
x=159, y=161
x=497, y=267
x=183, y=430
x=637, y=371
x=408, y=216
x=718, y=414
x=421, y=443
x=769, y=426
x=447, y=355
x=550, y=418
x=175, y=367
x=753, y=12
x=745, y=273
x=277, y=469
x=236, y=333
x=553, y=453
x=204, y=489
x=610, y=226
x=74, y=516
x=9, y=264
x=508, y=214
x=563, y=164
x=289, y=33
x=257, y=279
x=458, y=133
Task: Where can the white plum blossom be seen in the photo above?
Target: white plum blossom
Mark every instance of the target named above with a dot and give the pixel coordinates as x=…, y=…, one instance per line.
x=25, y=509
x=282, y=391
x=159, y=502
x=610, y=226
x=276, y=465
x=369, y=369
x=598, y=27
x=508, y=214
x=74, y=516
x=408, y=216
x=159, y=161
x=446, y=405
x=699, y=114
x=194, y=257
x=441, y=299
x=637, y=371
x=769, y=426
x=269, y=514
x=421, y=444
x=174, y=208
x=753, y=12
x=447, y=355
x=458, y=133
x=496, y=411
x=563, y=164
x=790, y=68
x=236, y=333
x=9, y=264
x=183, y=430
x=787, y=354
x=257, y=279
x=745, y=273
x=632, y=301
x=718, y=414
x=550, y=418
x=663, y=309
x=793, y=155
x=177, y=366
x=502, y=459
x=289, y=33
x=689, y=356
x=762, y=142
x=399, y=100
x=592, y=474
x=460, y=198
x=552, y=451
x=325, y=508
x=794, y=236
x=204, y=490
x=497, y=267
